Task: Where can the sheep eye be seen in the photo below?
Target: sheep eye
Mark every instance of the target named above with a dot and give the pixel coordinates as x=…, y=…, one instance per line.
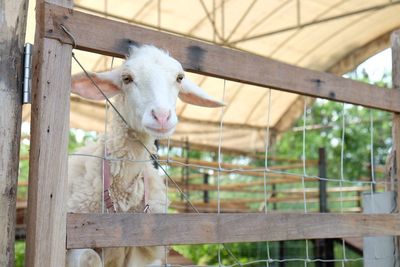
x=180, y=78
x=127, y=78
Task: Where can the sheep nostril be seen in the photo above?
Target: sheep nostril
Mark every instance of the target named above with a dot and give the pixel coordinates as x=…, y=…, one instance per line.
x=154, y=115
x=161, y=116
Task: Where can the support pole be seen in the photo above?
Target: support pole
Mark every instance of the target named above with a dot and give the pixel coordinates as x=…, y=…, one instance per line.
x=206, y=197
x=281, y=244
x=323, y=247
x=395, y=41
x=186, y=171
x=46, y=229
x=12, y=37
x=323, y=205
x=378, y=250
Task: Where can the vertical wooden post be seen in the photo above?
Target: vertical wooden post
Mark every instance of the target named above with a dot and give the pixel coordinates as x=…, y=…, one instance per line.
x=12, y=37
x=395, y=40
x=46, y=229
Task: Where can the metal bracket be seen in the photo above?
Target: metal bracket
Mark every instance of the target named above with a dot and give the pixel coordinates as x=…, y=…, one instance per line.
x=27, y=82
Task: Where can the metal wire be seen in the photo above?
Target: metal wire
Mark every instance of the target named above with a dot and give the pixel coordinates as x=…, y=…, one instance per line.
x=267, y=137
x=148, y=151
x=304, y=172
x=342, y=174
x=266, y=170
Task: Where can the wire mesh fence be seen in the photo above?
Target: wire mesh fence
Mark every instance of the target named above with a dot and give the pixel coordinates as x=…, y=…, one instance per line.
x=267, y=182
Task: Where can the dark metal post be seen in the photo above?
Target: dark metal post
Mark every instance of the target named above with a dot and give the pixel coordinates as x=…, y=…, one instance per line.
x=323, y=247
x=273, y=195
x=281, y=244
x=186, y=173
x=206, y=197
x=323, y=205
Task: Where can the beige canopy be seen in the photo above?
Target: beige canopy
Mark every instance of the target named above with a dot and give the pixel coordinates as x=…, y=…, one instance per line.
x=330, y=36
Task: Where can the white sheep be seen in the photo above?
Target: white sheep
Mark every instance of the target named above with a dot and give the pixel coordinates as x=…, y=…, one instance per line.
x=146, y=88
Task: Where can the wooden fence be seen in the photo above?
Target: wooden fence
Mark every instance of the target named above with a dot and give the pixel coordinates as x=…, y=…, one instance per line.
x=51, y=230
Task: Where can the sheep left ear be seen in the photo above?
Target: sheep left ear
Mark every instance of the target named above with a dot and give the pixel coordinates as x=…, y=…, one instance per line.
x=192, y=94
x=107, y=81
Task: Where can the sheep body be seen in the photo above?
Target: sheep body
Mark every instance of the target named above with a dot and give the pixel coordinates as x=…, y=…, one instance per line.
x=85, y=185
x=129, y=161
x=146, y=87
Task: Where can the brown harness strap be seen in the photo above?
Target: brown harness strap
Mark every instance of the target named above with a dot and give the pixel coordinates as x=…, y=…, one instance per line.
x=107, y=184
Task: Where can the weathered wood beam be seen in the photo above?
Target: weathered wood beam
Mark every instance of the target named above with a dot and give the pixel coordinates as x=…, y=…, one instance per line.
x=211, y=60
x=105, y=230
x=13, y=16
x=46, y=232
x=395, y=43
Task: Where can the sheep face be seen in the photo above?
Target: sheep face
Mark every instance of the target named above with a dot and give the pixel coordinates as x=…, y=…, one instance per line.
x=151, y=81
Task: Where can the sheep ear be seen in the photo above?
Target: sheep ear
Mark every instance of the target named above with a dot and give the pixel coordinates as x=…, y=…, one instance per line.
x=192, y=94
x=108, y=82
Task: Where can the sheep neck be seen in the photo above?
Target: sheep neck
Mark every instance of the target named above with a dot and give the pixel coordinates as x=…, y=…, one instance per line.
x=126, y=139
x=126, y=143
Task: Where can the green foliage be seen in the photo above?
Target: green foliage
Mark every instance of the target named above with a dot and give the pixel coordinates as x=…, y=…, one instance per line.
x=19, y=253
x=293, y=251
x=328, y=117
x=78, y=138
x=325, y=119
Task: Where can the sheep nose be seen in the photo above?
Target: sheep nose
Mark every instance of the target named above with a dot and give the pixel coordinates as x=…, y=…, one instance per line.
x=161, y=116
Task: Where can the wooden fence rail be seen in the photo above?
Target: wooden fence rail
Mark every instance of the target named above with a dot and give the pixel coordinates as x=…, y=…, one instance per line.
x=114, y=38
x=105, y=230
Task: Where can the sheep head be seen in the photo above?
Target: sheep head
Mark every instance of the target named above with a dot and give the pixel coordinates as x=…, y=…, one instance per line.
x=151, y=81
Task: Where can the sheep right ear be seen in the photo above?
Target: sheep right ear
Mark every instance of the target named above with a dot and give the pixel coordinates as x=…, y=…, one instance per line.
x=108, y=82
x=192, y=94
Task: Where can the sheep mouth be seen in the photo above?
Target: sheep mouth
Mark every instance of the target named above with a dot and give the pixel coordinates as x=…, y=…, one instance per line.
x=160, y=131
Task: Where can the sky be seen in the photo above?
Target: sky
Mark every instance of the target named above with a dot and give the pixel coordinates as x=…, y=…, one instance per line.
x=377, y=65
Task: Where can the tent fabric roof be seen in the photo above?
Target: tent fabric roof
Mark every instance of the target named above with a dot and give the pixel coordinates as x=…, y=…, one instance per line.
x=322, y=35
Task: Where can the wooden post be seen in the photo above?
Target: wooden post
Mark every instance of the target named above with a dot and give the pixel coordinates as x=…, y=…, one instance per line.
x=46, y=230
x=395, y=40
x=12, y=28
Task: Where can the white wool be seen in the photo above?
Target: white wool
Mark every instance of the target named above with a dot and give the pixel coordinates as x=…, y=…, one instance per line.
x=85, y=186
x=151, y=90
